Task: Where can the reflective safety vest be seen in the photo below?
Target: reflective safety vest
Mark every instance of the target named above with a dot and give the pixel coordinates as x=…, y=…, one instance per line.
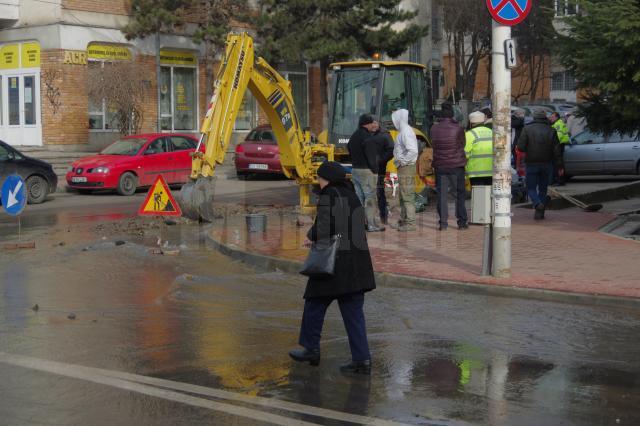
x=479, y=151
x=562, y=131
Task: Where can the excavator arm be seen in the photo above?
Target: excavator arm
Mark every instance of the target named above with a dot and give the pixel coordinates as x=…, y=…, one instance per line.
x=239, y=72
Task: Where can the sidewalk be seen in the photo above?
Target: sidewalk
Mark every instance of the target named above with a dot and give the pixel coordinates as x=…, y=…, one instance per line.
x=566, y=252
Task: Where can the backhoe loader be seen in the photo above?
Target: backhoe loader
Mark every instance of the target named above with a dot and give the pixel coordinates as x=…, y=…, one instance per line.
x=376, y=87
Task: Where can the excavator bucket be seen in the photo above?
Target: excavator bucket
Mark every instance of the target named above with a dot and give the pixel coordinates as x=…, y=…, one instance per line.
x=196, y=199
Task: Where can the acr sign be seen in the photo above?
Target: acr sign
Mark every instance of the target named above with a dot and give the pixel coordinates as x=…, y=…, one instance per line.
x=509, y=12
x=14, y=196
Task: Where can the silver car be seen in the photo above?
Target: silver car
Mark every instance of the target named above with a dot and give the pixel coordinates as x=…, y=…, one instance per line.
x=595, y=154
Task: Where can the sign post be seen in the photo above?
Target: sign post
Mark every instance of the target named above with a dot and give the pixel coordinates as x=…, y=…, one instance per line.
x=505, y=13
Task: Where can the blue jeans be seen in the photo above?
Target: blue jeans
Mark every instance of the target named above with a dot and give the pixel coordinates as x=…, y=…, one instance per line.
x=351, y=308
x=537, y=181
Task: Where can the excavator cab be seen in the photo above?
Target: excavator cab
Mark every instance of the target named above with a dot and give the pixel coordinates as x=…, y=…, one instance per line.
x=378, y=88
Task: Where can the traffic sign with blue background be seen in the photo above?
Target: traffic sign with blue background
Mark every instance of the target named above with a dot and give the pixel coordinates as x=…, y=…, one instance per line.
x=14, y=195
x=509, y=12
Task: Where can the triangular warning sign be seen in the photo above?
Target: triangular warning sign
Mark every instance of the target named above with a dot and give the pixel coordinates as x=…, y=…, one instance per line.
x=159, y=201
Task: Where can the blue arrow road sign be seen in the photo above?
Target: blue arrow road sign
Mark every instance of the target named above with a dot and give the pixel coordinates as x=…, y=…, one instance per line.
x=14, y=196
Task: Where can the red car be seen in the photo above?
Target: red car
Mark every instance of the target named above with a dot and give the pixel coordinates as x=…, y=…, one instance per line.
x=259, y=153
x=135, y=161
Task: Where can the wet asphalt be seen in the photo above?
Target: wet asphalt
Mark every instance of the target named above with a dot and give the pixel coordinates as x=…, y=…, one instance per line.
x=197, y=338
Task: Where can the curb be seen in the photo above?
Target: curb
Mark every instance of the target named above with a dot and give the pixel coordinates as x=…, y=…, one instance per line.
x=405, y=281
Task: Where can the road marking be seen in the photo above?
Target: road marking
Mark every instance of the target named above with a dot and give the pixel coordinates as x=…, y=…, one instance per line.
x=152, y=386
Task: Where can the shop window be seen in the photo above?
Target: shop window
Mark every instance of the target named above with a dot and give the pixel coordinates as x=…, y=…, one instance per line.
x=29, y=100
x=14, y=101
x=102, y=117
x=178, y=106
x=1, y=103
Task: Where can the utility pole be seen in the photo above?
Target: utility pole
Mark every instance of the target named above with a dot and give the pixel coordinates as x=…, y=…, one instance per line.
x=501, y=106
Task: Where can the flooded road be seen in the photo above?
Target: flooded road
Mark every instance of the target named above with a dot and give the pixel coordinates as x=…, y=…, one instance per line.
x=197, y=338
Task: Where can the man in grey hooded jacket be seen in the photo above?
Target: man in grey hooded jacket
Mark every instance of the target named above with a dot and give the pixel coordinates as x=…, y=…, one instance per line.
x=405, y=155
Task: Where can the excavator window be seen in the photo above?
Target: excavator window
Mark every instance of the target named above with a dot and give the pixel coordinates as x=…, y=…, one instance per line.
x=394, y=95
x=356, y=93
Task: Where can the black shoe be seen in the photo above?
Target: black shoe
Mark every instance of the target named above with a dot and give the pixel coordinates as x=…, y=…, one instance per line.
x=375, y=229
x=539, y=214
x=442, y=227
x=357, y=367
x=463, y=226
x=306, y=355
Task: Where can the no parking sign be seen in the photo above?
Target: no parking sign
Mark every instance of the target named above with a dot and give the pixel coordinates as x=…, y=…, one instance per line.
x=509, y=12
x=14, y=196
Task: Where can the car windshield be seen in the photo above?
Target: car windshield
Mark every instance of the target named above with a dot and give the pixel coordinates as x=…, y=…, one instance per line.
x=129, y=146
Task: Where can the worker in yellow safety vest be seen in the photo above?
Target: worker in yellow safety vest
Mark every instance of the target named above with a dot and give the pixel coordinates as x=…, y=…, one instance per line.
x=479, y=150
x=564, y=138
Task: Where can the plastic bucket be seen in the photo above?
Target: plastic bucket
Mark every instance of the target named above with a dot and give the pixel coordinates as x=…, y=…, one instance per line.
x=256, y=222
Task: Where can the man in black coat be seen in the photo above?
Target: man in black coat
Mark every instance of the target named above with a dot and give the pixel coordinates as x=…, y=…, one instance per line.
x=339, y=213
x=384, y=147
x=540, y=142
x=364, y=174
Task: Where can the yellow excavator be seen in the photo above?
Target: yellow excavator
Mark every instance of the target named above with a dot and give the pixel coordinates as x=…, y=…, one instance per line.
x=376, y=87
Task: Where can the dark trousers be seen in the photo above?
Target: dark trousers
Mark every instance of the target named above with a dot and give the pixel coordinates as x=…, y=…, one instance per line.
x=555, y=177
x=538, y=181
x=382, y=198
x=351, y=308
x=445, y=179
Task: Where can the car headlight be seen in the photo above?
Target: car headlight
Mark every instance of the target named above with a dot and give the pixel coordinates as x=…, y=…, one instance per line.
x=101, y=170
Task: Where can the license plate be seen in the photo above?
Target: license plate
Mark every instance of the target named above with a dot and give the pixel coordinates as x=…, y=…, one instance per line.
x=259, y=166
x=78, y=179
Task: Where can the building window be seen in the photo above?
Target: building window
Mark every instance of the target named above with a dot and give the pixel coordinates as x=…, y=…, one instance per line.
x=178, y=106
x=415, y=52
x=297, y=75
x=563, y=81
x=566, y=7
x=102, y=117
x=247, y=117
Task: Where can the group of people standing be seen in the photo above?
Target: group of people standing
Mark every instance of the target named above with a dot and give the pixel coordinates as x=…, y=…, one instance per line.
x=371, y=148
x=456, y=154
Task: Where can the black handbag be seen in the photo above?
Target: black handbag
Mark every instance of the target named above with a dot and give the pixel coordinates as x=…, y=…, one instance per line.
x=321, y=260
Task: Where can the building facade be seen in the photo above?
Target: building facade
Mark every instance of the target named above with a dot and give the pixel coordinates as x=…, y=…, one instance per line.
x=50, y=50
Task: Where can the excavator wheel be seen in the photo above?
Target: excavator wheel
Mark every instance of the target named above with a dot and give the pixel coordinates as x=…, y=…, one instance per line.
x=196, y=199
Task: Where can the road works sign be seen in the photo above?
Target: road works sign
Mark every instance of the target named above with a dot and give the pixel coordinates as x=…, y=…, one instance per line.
x=509, y=12
x=14, y=196
x=159, y=201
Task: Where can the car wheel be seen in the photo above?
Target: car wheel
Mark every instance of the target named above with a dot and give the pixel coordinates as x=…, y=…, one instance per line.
x=127, y=184
x=37, y=189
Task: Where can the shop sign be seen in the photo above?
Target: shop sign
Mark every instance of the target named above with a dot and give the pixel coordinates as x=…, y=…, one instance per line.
x=109, y=52
x=30, y=55
x=20, y=55
x=75, y=57
x=176, y=57
x=9, y=56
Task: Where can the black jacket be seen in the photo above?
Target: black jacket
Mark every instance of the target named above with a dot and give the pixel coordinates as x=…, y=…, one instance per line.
x=540, y=142
x=340, y=212
x=384, y=153
x=364, y=155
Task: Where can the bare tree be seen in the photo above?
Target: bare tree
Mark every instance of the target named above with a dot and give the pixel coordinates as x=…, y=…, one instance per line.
x=467, y=26
x=121, y=86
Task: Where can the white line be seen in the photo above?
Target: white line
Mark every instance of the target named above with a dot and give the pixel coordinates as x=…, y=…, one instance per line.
x=135, y=379
x=88, y=374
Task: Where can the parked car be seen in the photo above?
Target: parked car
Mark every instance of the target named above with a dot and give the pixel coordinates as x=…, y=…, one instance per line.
x=135, y=161
x=259, y=153
x=531, y=109
x=562, y=108
x=39, y=177
x=596, y=154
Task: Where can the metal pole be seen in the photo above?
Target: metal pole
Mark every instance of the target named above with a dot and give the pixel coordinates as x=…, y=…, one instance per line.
x=486, y=251
x=158, y=80
x=501, y=106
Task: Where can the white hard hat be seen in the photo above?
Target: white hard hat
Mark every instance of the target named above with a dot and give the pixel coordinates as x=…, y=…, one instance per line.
x=477, y=117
